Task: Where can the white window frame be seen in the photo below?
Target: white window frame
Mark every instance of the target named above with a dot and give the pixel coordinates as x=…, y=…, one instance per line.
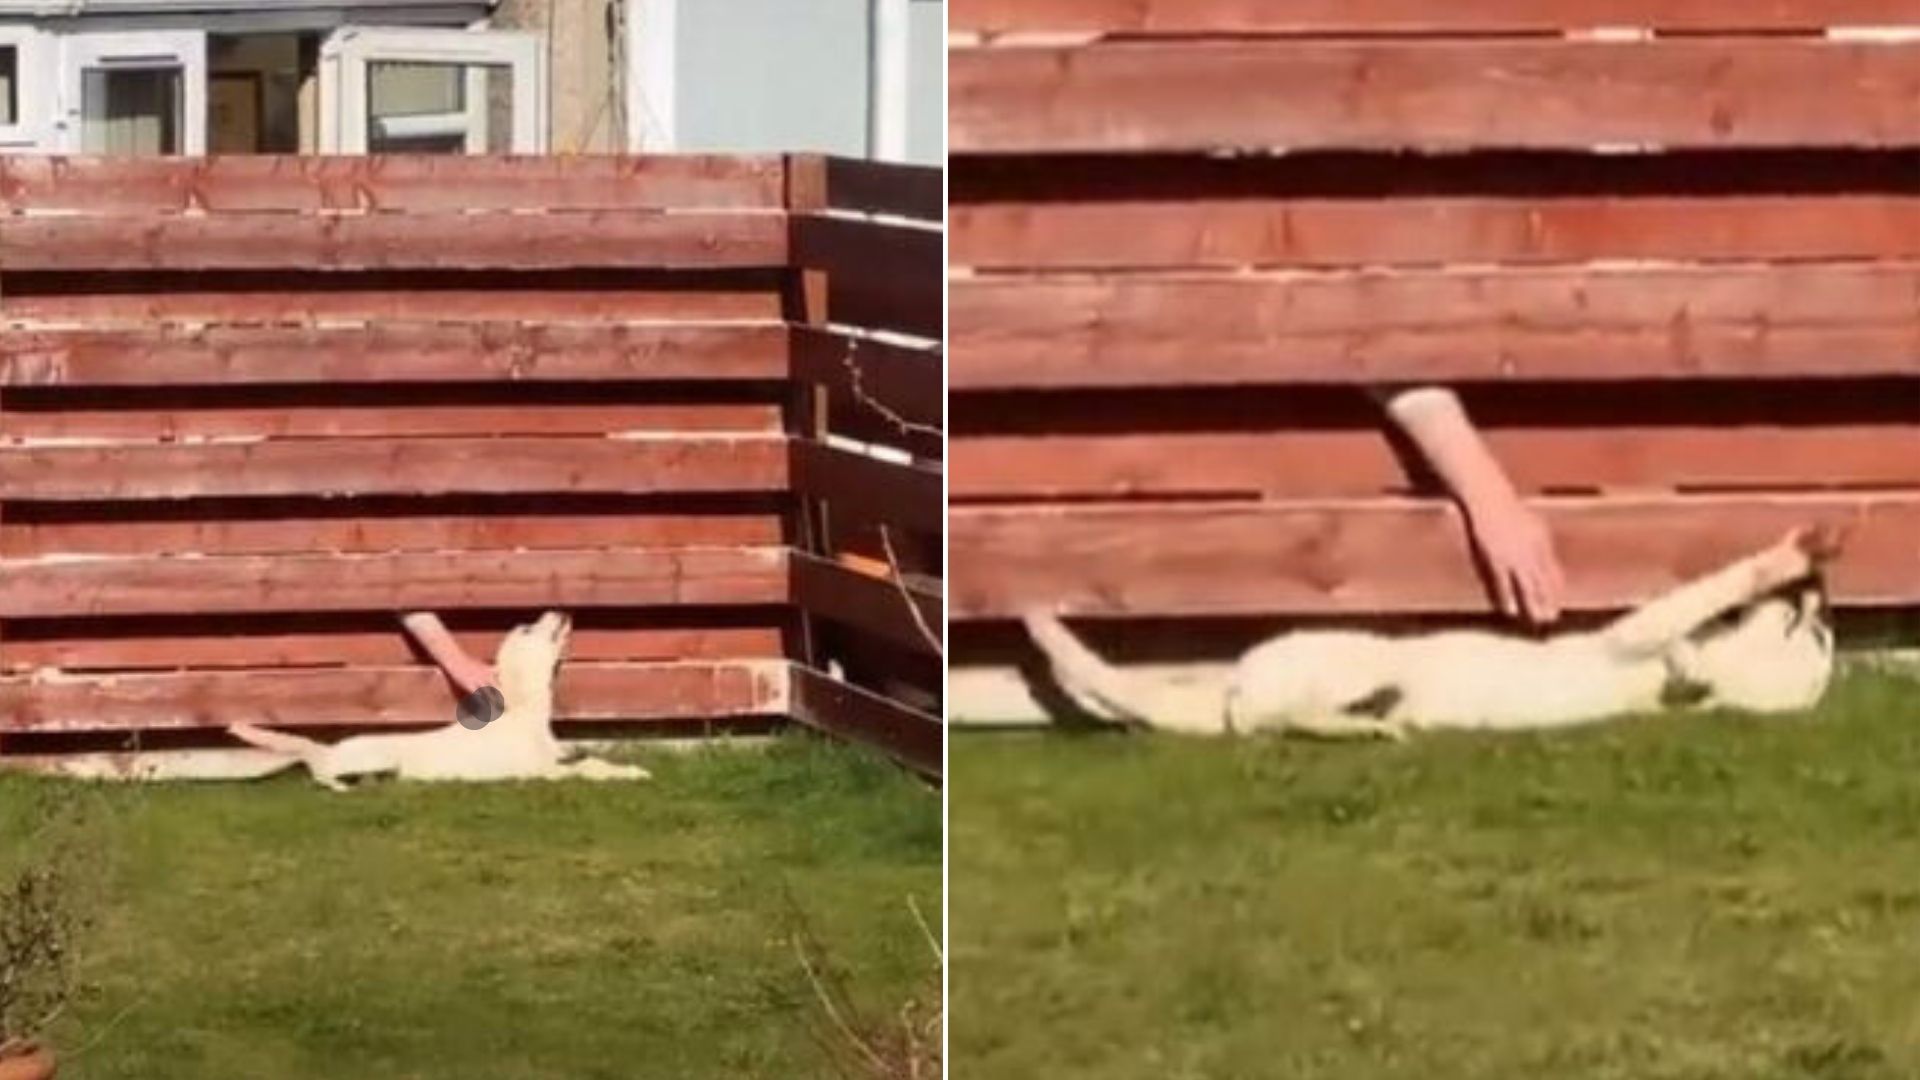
x=347, y=53
x=653, y=77
x=132, y=50
x=30, y=89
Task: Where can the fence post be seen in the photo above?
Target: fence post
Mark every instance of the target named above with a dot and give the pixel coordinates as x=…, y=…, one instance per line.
x=806, y=303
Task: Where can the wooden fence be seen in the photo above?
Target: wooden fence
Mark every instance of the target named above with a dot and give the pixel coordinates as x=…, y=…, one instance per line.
x=1666, y=251
x=250, y=408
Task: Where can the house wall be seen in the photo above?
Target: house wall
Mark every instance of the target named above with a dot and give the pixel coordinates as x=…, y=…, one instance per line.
x=582, y=36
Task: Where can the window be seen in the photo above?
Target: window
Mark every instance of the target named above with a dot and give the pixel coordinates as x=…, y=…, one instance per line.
x=133, y=93
x=432, y=91
x=131, y=111
x=439, y=108
x=22, y=99
x=9, y=85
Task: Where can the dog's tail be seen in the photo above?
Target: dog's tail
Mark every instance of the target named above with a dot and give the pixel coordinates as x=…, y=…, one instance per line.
x=1117, y=695
x=277, y=741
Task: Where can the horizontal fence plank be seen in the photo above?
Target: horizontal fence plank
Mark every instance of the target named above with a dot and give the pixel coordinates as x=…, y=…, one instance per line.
x=138, y=585
x=868, y=489
x=324, y=415
x=376, y=697
x=1229, y=17
x=553, y=241
x=366, y=526
x=1382, y=556
x=1580, y=324
x=873, y=604
x=389, y=183
x=1330, y=232
x=109, y=645
x=884, y=392
x=140, y=299
x=1434, y=95
x=340, y=467
x=879, y=276
x=393, y=352
x=911, y=737
x=1311, y=463
x=880, y=187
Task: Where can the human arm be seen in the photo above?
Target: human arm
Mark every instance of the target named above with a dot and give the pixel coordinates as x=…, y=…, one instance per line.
x=1512, y=538
x=468, y=673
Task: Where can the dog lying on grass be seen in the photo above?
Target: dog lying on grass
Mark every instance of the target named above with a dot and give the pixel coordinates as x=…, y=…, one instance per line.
x=518, y=745
x=1739, y=637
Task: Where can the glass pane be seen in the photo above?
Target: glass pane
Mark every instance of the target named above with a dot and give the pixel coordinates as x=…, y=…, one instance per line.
x=420, y=108
x=9, y=85
x=132, y=110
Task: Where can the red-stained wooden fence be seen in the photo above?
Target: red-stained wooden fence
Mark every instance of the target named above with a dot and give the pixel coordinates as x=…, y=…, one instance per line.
x=250, y=408
x=1668, y=252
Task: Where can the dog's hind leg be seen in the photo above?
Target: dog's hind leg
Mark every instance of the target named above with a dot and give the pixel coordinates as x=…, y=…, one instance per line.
x=316, y=756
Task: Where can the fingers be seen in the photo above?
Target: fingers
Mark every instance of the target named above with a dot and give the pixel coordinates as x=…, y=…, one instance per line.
x=1517, y=551
x=1506, y=592
x=1541, y=584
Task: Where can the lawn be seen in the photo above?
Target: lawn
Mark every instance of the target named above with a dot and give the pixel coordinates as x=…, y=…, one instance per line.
x=1710, y=897
x=540, y=930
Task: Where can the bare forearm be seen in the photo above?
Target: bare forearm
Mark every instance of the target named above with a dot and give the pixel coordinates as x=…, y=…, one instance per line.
x=467, y=672
x=1512, y=538
x=1437, y=423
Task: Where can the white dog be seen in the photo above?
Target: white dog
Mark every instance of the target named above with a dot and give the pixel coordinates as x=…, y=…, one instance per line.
x=1736, y=636
x=519, y=745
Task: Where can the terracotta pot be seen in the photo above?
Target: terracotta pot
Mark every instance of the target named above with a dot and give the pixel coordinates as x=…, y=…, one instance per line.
x=23, y=1060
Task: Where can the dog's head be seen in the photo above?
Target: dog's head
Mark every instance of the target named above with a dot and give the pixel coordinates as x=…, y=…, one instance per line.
x=1775, y=655
x=529, y=656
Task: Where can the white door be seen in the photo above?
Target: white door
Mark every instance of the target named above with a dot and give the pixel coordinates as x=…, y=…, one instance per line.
x=393, y=91
x=141, y=93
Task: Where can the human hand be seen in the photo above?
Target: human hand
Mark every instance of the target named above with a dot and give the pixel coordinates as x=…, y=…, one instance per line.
x=467, y=672
x=1517, y=548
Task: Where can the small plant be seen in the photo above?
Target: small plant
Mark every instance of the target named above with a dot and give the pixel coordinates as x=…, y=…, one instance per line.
x=43, y=913
x=36, y=977
x=903, y=1046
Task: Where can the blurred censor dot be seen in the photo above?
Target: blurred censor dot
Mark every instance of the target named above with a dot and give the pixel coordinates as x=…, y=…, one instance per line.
x=480, y=708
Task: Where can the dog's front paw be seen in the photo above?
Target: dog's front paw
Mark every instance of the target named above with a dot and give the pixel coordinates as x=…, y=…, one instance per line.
x=1819, y=544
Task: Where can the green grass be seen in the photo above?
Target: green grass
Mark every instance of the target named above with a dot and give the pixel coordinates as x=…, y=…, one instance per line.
x=567, y=930
x=1711, y=897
